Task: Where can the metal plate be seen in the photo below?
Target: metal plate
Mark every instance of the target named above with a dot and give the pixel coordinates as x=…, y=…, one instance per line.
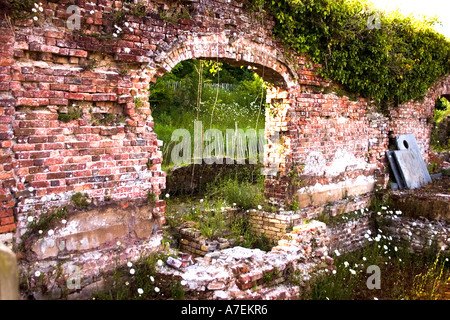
x=394, y=166
x=408, y=142
x=410, y=167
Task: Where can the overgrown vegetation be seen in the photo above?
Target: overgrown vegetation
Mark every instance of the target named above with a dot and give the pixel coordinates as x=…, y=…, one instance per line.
x=211, y=217
x=140, y=281
x=402, y=275
x=73, y=113
x=81, y=200
x=220, y=96
x=440, y=139
x=395, y=63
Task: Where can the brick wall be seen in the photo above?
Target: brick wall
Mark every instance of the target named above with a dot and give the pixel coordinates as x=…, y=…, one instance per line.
x=7, y=103
x=111, y=151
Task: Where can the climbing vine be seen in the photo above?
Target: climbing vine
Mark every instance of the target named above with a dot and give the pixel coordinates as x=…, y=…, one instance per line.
x=396, y=62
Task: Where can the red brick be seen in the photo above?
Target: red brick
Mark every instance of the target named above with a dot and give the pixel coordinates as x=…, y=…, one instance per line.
x=6, y=221
x=7, y=228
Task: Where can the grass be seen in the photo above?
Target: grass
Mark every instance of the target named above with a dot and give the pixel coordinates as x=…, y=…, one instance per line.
x=245, y=195
x=177, y=103
x=73, y=113
x=81, y=200
x=210, y=217
x=403, y=275
x=140, y=281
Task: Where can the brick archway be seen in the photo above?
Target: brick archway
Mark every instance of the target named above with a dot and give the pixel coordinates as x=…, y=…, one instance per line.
x=269, y=63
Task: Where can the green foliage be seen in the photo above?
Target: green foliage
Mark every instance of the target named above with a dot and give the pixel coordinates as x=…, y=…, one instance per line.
x=397, y=63
x=143, y=284
x=440, y=141
x=138, y=102
x=139, y=9
x=151, y=198
x=21, y=9
x=229, y=96
x=47, y=220
x=245, y=195
x=73, y=113
x=397, y=266
x=242, y=230
x=80, y=200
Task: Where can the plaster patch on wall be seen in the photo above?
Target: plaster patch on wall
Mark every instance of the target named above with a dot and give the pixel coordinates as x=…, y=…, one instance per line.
x=317, y=165
x=321, y=194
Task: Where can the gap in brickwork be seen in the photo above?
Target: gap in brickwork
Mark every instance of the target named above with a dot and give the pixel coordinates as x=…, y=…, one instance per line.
x=224, y=98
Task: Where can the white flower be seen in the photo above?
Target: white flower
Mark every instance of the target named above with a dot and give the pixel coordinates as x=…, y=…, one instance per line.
x=115, y=35
x=385, y=247
x=41, y=232
x=160, y=262
x=127, y=283
x=183, y=282
x=352, y=271
x=41, y=9
x=259, y=207
x=384, y=208
x=222, y=209
x=167, y=195
x=119, y=243
x=346, y=264
x=202, y=200
x=132, y=271
x=334, y=272
x=131, y=29
x=126, y=24
x=34, y=10
x=30, y=219
x=157, y=289
x=92, y=12
x=337, y=252
x=140, y=291
x=234, y=204
x=396, y=249
x=375, y=298
x=129, y=264
x=35, y=18
x=36, y=5
x=152, y=279
x=51, y=232
x=364, y=258
x=64, y=221
x=31, y=189
x=37, y=273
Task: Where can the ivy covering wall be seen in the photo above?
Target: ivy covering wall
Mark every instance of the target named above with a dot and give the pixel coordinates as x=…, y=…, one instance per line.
x=396, y=62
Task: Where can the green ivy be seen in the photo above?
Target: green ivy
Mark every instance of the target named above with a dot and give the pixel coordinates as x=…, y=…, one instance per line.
x=393, y=64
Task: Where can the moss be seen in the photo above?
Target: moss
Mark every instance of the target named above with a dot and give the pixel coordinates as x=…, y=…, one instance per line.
x=138, y=103
x=21, y=9
x=151, y=198
x=73, y=113
x=138, y=10
x=80, y=200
